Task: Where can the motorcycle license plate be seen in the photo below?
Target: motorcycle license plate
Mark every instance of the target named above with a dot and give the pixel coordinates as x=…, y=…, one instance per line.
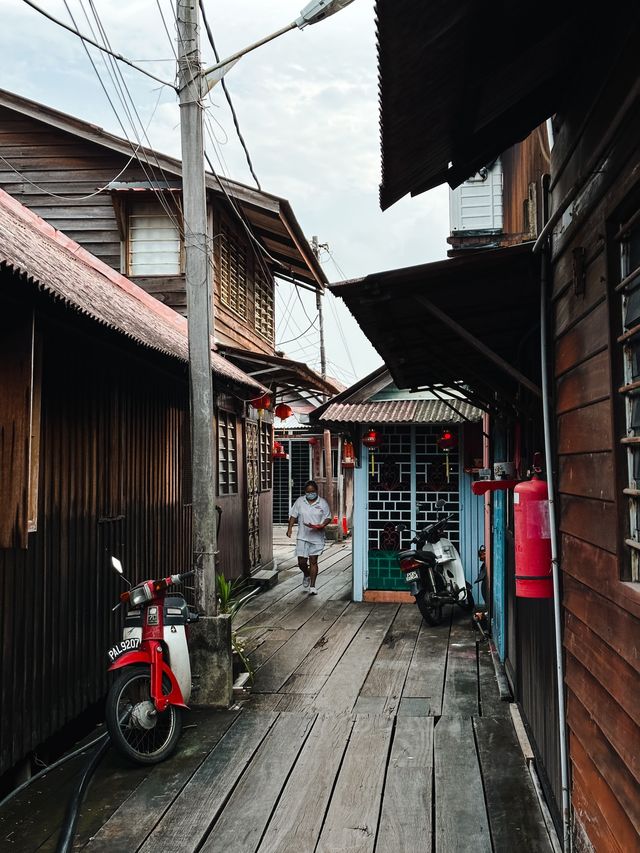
x=123, y=646
x=411, y=576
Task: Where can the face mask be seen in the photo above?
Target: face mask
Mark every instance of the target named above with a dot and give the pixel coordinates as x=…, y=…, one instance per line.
x=311, y=496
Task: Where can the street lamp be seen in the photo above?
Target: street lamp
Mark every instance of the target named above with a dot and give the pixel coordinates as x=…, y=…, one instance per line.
x=313, y=13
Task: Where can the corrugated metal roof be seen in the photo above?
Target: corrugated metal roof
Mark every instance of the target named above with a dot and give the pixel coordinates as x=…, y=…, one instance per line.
x=61, y=267
x=401, y=411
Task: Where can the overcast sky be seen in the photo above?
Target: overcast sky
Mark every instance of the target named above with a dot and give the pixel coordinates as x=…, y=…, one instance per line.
x=308, y=108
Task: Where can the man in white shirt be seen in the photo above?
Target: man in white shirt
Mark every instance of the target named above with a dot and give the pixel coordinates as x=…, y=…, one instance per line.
x=312, y=514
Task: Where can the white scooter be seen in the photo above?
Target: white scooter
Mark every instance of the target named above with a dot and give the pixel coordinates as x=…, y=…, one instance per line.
x=434, y=572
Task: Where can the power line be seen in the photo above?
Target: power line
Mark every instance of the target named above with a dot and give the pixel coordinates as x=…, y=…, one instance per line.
x=86, y=39
x=301, y=335
x=228, y=97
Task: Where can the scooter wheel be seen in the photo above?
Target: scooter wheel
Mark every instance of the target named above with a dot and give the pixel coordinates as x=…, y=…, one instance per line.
x=431, y=615
x=468, y=604
x=137, y=731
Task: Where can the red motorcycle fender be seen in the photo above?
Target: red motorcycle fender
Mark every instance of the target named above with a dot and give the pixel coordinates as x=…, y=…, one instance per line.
x=174, y=697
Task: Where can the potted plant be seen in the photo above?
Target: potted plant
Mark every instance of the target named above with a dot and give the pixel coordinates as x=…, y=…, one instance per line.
x=232, y=596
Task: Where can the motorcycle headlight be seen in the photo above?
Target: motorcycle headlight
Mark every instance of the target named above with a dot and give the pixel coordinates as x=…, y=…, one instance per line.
x=139, y=595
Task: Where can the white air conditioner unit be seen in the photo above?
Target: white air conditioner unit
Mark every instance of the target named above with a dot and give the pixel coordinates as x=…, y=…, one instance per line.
x=476, y=205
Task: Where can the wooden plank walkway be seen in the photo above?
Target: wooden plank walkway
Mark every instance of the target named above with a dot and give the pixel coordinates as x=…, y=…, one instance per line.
x=367, y=731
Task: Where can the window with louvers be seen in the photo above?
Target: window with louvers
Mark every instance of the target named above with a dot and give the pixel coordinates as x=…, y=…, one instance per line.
x=265, y=457
x=227, y=454
x=233, y=273
x=628, y=237
x=263, y=321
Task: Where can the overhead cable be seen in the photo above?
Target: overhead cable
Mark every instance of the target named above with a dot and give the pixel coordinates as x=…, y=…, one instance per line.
x=90, y=41
x=228, y=97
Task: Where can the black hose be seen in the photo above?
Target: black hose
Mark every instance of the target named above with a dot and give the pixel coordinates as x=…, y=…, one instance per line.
x=68, y=831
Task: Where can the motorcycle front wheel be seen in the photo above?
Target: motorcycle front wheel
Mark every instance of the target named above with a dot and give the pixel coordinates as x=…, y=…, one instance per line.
x=137, y=730
x=431, y=614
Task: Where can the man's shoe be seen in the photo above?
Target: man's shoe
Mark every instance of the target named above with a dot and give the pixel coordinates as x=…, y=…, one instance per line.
x=313, y=590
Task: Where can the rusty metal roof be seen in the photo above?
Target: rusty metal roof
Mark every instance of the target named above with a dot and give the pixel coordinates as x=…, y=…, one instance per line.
x=401, y=412
x=61, y=267
x=460, y=82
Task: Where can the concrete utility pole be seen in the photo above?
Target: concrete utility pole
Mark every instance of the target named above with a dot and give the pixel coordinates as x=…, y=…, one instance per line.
x=315, y=248
x=212, y=641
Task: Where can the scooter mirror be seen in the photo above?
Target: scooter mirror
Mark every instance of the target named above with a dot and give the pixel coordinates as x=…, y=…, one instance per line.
x=117, y=565
x=440, y=504
x=400, y=527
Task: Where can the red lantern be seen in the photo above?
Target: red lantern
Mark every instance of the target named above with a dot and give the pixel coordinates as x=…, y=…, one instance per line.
x=283, y=411
x=447, y=441
x=371, y=439
x=261, y=403
x=348, y=455
x=278, y=451
x=313, y=441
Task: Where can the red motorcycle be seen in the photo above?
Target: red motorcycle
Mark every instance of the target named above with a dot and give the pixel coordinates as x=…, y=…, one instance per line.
x=153, y=685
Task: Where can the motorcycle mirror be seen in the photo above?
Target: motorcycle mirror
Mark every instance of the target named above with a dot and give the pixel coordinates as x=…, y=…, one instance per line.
x=117, y=565
x=400, y=527
x=441, y=503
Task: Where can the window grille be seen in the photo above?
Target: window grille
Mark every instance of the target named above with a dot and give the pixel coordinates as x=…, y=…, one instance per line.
x=233, y=273
x=263, y=320
x=153, y=241
x=227, y=454
x=628, y=237
x=266, y=465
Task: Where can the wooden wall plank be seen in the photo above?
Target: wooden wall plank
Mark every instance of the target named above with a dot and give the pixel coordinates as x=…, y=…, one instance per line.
x=586, y=430
x=587, y=475
x=616, y=627
x=591, y=520
x=584, y=384
x=584, y=339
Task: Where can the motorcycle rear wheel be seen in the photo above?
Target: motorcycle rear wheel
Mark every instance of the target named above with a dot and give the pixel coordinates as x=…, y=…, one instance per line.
x=141, y=737
x=431, y=614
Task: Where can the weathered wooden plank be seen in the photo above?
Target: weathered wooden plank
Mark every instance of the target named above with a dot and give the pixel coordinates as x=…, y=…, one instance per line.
x=295, y=703
x=388, y=672
x=617, y=726
x=406, y=815
x=189, y=818
x=341, y=690
x=586, y=430
x=608, y=811
x=305, y=607
x=608, y=668
x=491, y=705
x=352, y=818
x=326, y=653
x=243, y=821
x=135, y=818
x=583, y=340
x=589, y=381
x=461, y=683
x=415, y=706
x=604, y=758
x=425, y=678
x=512, y=805
x=297, y=820
x=593, y=521
x=461, y=821
x=271, y=677
x=588, y=475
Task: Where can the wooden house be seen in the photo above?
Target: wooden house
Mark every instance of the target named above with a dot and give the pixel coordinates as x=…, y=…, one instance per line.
x=94, y=462
x=446, y=114
x=123, y=204
x=404, y=476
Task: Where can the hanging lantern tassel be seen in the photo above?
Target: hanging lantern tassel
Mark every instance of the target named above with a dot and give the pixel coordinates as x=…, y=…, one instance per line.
x=372, y=456
x=446, y=464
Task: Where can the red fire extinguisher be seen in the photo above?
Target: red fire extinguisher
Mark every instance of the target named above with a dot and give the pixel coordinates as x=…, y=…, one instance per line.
x=532, y=539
